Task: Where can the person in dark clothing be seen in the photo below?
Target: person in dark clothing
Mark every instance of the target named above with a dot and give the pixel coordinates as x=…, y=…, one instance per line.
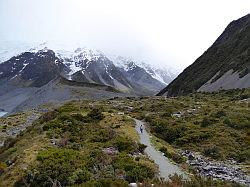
x=141, y=129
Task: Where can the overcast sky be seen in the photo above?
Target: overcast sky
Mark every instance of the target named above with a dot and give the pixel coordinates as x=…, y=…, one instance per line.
x=171, y=32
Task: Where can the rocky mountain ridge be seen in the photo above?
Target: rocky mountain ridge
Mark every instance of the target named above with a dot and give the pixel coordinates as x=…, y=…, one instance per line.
x=86, y=65
x=225, y=65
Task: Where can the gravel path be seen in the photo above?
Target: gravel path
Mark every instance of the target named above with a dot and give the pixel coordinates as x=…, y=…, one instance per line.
x=166, y=168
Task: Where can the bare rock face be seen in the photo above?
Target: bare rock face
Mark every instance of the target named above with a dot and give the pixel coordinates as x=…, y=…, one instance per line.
x=225, y=65
x=230, y=80
x=31, y=69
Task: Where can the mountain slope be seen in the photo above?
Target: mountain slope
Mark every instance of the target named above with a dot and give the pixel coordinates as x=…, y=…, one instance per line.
x=163, y=74
x=57, y=91
x=225, y=65
x=61, y=90
x=93, y=66
x=39, y=65
x=31, y=69
x=30, y=79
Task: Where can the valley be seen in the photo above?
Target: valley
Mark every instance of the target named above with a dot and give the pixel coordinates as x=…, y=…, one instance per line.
x=39, y=76
x=84, y=118
x=104, y=129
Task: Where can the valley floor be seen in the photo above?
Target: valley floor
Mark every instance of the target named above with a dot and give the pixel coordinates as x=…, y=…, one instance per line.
x=95, y=142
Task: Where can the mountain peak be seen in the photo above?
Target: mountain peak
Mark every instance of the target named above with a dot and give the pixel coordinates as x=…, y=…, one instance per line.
x=225, y=65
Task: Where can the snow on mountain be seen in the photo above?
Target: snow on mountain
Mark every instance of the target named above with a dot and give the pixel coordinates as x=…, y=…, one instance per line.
x=163, y=74
x=79, y=59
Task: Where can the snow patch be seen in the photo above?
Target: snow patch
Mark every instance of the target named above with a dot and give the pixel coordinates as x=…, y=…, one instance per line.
x=13, y=77
x=79, y=59
x=24, y=66
x=158, y=73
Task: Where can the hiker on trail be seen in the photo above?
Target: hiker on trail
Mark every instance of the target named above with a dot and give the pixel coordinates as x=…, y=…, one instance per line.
x=141, y=129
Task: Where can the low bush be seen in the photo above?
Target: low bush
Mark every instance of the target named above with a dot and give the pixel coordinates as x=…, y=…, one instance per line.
x=66, y=166
x=174, y=156
x=124, y=144
x=212, y=152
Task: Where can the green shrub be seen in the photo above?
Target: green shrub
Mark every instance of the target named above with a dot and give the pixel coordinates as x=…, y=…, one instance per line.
x=124, y=144
x=170, y=133
x=141, y=147
x=243, y=156
x=105, y=183
x=220, y=114
x=206, y=122
x=78, y=117
x=102, y=135
x=48, y=116
x=165, y=151
x=212, y=152
x=193, y=137
x=3, y=167
x=66, y=166
x=134, y=171
x=177, y=158
x=95, y=114
x=174, y=156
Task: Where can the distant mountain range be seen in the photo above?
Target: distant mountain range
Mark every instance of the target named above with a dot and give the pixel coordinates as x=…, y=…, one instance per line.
x=30, y=67
x=225, y=65
x=36, y=68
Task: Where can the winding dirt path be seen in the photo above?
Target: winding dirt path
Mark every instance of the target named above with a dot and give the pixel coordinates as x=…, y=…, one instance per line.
x=166, y=168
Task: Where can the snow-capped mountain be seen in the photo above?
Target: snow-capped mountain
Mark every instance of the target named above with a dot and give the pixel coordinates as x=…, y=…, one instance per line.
x=32, y=69
x=163, y=74
x=38, y=65
x=79, y=59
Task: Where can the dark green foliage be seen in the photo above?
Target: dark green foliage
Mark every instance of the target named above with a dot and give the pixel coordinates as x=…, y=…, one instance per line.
x=141, y=148
x=8, y=143
x=165, y=151
x=206, y=122
x=240, y=123
x=48, y=116
x=78, y=155
x=85, y=148
x=95, y=114
x=124, y=144
x=78, y=117
x=66, y=166
x=244, y=156
x=3, y=167
x=174, y=156
x=212, y=152
x=134, y=171
x=105, y=183
x=177, y=158
x=170, y=133
x=220, y=114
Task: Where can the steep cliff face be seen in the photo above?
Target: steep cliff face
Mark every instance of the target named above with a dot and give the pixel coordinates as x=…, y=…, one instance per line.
x=225, y=65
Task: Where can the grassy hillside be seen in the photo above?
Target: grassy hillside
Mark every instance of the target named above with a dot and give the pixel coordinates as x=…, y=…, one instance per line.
x=230, y=51
x=75, y=144
x=216, y=124
x=94, y=143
